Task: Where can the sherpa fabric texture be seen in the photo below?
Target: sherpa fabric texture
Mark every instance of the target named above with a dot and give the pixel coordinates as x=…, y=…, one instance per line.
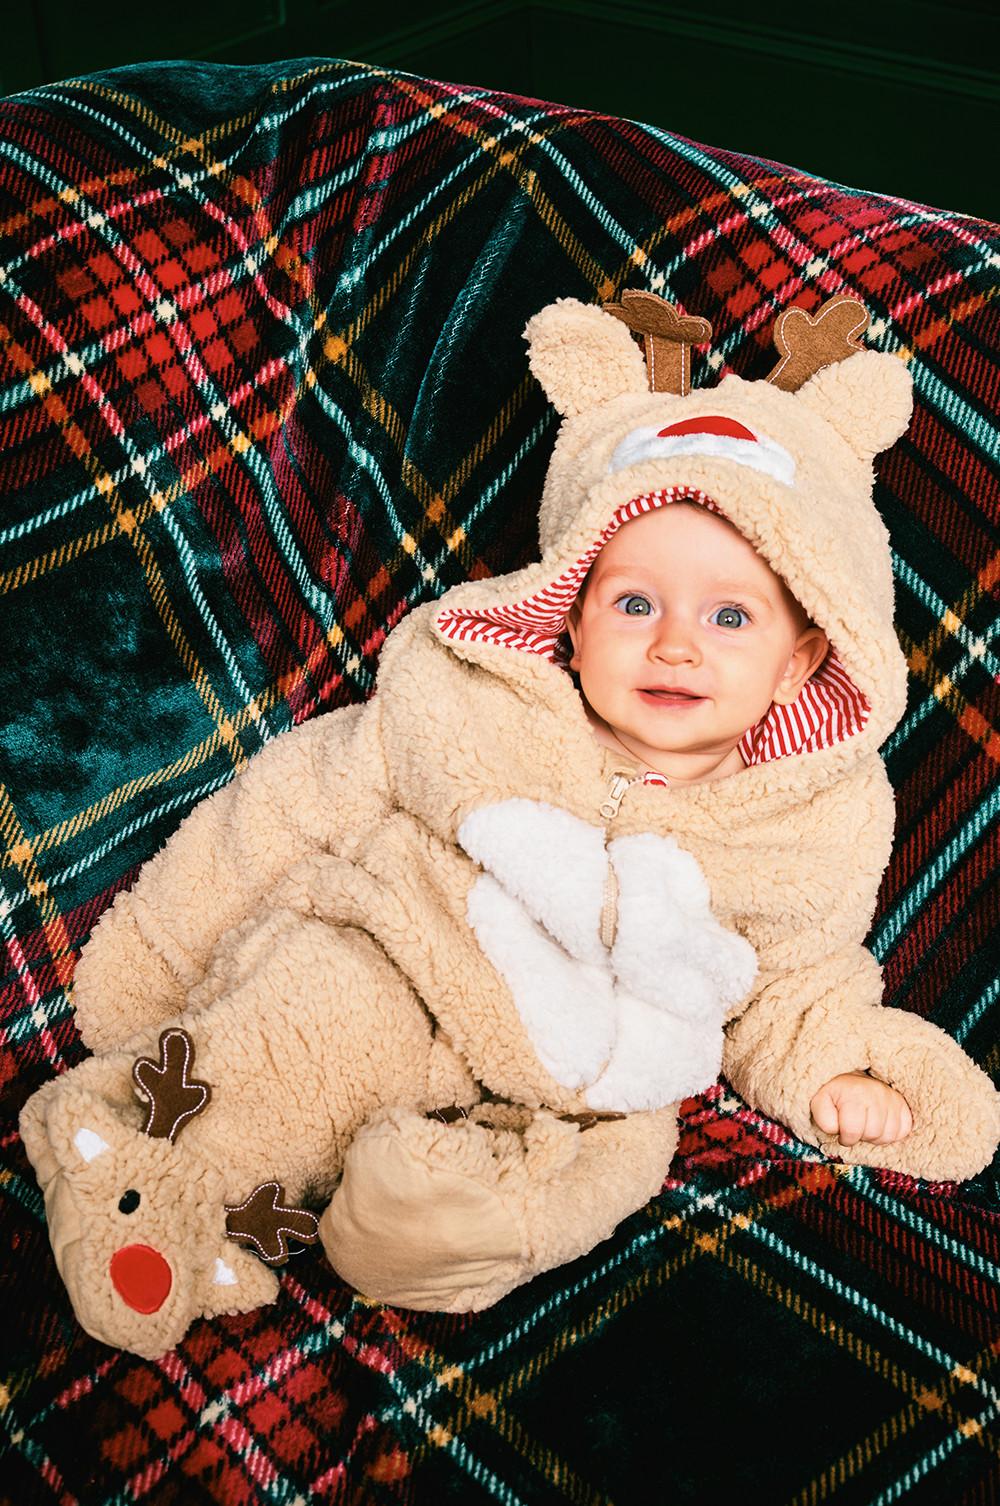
x=251, y=420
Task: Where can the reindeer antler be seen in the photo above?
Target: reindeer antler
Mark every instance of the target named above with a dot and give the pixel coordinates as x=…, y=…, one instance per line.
x=174, y=1098
x=668, y=337
x=808, y=342
x=262, y=1220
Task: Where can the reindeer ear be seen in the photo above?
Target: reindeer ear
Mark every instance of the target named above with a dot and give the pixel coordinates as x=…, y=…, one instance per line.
x=582, y=356
x=65, y=1127
x=868, y=398
x=236, y=1282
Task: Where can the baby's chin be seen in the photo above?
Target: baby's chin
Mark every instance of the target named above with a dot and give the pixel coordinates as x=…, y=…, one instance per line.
x=722, y=754
x=652, y=733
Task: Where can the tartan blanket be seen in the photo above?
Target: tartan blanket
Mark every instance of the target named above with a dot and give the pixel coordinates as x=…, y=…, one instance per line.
x=250, y=415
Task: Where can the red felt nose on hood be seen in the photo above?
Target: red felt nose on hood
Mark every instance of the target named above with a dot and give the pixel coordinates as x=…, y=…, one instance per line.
x=710, y=423
x=141, y=1277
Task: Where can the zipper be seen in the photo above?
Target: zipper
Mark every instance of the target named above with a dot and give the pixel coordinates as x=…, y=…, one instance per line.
x=610, y=806
x=609, y=910
x=617, y=785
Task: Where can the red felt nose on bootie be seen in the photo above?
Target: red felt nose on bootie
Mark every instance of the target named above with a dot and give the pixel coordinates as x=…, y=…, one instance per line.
x=141, y=1277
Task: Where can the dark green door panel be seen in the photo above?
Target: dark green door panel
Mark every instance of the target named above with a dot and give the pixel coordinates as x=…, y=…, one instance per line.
x=878, y=119
x=71, y=43
x=900, y=97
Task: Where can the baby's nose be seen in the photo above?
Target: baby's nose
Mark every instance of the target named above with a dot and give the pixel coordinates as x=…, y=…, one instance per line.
x=677, y=638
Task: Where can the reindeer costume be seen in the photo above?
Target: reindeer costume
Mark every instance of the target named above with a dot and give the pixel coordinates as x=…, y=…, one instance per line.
x=442, y=967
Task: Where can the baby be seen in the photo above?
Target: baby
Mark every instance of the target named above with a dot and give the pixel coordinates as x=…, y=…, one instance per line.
x=489, y=930
x=678, y=599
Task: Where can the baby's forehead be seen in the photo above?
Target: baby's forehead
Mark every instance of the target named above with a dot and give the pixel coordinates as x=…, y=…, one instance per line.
x=648, y=544
x=654, y=554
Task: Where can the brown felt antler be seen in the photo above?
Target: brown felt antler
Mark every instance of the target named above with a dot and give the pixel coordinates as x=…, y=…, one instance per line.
x=262, y=1220
x=174, y=1098
x=808, y=342
x=668, y=337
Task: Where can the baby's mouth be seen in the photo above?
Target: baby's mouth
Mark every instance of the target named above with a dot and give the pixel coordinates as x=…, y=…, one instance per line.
x=668, y=698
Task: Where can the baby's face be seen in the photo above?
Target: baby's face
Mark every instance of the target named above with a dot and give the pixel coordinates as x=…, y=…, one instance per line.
x=679, y=598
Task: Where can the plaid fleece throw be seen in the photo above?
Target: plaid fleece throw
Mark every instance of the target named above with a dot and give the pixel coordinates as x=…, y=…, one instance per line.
x=263, y=390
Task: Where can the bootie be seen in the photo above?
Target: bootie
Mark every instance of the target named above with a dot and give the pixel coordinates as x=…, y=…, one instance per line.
x=451, y=1217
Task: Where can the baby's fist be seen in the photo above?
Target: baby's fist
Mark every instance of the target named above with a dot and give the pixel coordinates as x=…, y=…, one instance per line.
x=854, y=1106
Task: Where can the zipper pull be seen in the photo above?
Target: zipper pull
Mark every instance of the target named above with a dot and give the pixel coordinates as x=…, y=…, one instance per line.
x=617, y=785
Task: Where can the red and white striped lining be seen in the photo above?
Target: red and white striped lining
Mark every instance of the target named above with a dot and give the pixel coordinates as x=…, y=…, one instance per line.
x=829, y=707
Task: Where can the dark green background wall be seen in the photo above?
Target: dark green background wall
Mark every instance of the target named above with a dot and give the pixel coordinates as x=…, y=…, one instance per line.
x=900, y=97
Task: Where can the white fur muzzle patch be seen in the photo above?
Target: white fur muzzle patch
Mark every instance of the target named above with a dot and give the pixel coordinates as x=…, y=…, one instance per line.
x=759, y=453
x=636, y=1027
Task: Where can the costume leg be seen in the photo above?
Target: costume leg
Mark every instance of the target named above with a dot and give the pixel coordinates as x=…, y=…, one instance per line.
x=326, y=1030
x=451, y=1217
x=311, y=1030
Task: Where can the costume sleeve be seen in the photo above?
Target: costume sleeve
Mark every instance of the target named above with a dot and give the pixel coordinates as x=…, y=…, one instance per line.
x=811, y=1023
x=816, y=1011
x=318, y=787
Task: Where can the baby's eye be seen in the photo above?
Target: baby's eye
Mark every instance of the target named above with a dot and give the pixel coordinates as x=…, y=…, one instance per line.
x=632, y=596
x=732, y=612
x=644, y=609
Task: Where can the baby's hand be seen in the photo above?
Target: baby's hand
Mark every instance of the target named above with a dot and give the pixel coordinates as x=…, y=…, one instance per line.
x=857, y=1107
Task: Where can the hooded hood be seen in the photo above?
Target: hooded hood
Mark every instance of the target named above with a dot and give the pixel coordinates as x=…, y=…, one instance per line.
x=791, y=470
